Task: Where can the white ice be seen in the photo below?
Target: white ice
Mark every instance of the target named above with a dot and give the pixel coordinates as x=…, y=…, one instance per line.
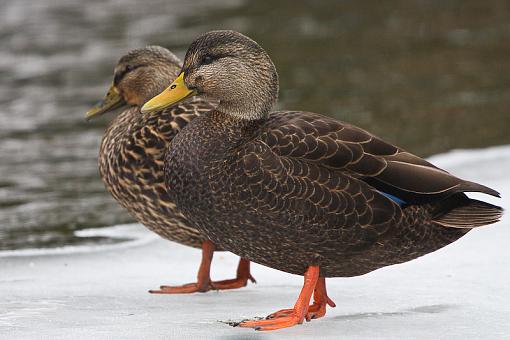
x=459, y=292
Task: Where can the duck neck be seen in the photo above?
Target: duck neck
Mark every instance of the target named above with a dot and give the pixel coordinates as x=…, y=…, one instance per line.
x=251, y=102
x=232, y=126
x=245, y=110
x=228, y=131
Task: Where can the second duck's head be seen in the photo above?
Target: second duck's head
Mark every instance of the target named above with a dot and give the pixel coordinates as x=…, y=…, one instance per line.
x=139, y=75
x=229, y=67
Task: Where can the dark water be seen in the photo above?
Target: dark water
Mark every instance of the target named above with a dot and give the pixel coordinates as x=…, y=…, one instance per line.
x=427, y=75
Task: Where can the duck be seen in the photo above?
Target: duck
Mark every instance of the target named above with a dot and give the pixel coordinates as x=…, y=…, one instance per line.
x=131, y=157
x=298, y=191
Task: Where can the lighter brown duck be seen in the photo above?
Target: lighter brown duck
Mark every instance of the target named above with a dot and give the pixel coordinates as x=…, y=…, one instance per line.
x=132, y=152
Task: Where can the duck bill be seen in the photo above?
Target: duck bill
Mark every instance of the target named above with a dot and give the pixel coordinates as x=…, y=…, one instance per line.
x=175, y=93
x=110, y=102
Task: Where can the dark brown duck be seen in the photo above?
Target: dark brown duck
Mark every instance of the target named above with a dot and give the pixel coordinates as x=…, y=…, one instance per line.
x=297, y=191
x=132, y=152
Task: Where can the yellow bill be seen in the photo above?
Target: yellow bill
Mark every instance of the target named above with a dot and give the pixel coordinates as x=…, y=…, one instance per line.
x=110, y=102
x=176, y=92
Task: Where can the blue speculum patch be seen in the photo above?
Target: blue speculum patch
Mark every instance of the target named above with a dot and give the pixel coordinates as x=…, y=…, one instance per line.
x=394, y=198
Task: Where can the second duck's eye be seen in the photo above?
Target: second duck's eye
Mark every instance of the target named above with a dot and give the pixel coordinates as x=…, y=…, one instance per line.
x=207, y=59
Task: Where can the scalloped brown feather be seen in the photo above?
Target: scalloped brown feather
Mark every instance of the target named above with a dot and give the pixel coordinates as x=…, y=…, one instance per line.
x=339, y=145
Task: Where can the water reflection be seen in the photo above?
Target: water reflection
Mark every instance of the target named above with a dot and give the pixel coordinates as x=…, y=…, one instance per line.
x=429, y=76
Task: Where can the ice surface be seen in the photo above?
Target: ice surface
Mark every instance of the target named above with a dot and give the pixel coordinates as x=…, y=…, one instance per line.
x=459, y=292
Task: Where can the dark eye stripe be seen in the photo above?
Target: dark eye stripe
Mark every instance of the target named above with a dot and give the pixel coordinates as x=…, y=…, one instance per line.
x=209, y=58
x=118, y=77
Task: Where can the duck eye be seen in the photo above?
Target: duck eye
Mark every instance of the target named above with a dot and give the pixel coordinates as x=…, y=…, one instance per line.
x=129, y=68
x=206, y=60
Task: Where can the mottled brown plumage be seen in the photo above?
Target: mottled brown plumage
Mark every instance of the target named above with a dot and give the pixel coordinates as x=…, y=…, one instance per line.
x=132, y=150
x=130, y=163
x=298, y=191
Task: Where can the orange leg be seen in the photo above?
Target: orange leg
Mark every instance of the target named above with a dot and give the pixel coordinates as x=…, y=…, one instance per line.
x=320, y=300
x=294, y=316
x=315, y=310
x=204, y=282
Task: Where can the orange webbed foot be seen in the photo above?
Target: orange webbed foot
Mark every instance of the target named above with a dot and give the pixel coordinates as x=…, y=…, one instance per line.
x=201, y=287
x=294, y=316
x=189, y=288
x=239, y=282
x=204, y=283
x=315, y=310
x=289, y=320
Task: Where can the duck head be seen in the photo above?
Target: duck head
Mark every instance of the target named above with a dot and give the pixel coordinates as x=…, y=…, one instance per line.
x=139, y=75
x=228, y=67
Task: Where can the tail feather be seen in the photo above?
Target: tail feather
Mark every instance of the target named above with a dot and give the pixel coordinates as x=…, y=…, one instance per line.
x=470, y=213
x=467, y=186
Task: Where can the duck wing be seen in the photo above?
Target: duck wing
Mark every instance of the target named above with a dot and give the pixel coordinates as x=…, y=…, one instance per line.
x=341, y=146
x=292, y=193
